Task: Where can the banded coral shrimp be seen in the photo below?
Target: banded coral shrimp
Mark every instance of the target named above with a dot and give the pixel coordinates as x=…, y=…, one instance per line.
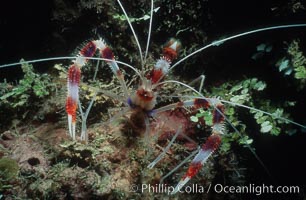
x=189, y=95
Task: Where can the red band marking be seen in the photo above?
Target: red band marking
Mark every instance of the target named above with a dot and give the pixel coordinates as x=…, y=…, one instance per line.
x=155, y=75
x=169, y=53
x=71, y=107
x=107, y=53
x=74, y=74
x=212, y=143
x=201, y=103
x=193, y=169
x=89, y=50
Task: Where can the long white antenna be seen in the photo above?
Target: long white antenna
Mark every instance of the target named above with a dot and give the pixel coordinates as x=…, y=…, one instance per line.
x=218, y=42
x=150, y=29
x=70, y=58
x=135, y=36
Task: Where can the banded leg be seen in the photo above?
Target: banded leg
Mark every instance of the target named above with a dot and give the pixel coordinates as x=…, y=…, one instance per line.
x=208, y=148
x=213, y=141
x=162, y=65
x=74, y=76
